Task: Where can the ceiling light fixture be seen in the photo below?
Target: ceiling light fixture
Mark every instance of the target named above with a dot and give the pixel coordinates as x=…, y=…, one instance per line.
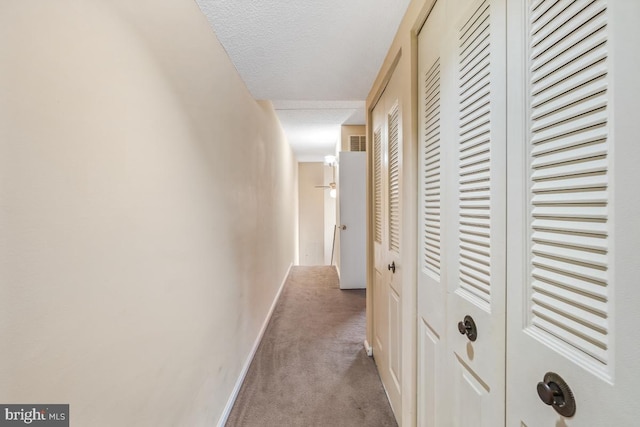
x=330, y=160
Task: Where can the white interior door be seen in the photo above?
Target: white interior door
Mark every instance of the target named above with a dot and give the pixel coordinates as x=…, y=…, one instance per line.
x=432, y=189
x=477, y=275
x=352, y=204
x=573, y=209
x=463, y=212
x=380, y=342
x=387, y=141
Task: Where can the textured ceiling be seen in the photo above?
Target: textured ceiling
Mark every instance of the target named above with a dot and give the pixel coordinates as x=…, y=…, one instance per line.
x=316, y=60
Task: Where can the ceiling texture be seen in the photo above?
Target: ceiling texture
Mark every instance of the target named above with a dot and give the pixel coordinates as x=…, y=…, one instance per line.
x=314, y=59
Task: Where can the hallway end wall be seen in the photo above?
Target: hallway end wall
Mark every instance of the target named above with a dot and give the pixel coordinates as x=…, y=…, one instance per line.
x=312, y=213
x=148, y=212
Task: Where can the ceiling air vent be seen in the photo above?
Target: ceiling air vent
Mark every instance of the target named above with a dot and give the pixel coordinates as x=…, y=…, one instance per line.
x=357, y=143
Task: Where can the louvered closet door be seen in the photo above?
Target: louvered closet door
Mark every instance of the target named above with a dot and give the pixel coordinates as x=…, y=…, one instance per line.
x=387, y=304
x=380, y=311
x=476, y=213
x=574, y=211
x=394, y=264
x=461, y=51
x=432, y=184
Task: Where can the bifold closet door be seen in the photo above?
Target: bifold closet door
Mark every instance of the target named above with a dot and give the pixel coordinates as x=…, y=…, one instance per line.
x=432, y=381
x=387, y=291
x=462, y=172
x=573, y=207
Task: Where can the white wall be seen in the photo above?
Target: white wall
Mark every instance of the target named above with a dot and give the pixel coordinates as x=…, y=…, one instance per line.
x=147, y=212
x=311, y=209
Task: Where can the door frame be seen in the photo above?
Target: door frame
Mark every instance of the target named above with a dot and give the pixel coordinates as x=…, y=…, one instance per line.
x=402, y=58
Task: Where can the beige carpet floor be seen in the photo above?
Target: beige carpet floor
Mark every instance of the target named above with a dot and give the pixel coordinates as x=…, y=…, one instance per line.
x=311, y=368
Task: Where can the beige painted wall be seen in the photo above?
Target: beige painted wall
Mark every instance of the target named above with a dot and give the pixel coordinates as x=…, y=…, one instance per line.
x=311, y=210
x=147, y=212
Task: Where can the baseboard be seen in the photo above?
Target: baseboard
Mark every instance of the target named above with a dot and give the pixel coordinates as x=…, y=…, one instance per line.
x=368, y=348
x=245, y=368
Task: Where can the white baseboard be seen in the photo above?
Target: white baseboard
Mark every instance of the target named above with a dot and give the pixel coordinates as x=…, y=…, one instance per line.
x=245, y=368
x=368, y=348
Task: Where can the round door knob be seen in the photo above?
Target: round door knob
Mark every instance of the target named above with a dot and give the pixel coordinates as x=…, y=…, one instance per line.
x=550, y=393
x=462, y=328
x=468, y=327
x=555, y=392
x=392, y=267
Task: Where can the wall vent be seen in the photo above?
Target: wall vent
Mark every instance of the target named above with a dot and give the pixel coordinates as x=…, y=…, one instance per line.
x=357, y=143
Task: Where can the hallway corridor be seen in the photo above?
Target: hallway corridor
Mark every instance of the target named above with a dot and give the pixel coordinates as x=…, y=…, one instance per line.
x=311, y=368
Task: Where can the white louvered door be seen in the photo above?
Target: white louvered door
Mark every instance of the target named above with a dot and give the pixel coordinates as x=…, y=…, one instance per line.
x=387, y=292
x=462, y=167
x=394, y=264
x=380, y=311
x=573, y=211
x=477, y=269
x=432, y=188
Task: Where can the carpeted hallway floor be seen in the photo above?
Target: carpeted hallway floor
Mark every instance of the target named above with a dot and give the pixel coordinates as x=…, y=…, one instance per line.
x=311, y=368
